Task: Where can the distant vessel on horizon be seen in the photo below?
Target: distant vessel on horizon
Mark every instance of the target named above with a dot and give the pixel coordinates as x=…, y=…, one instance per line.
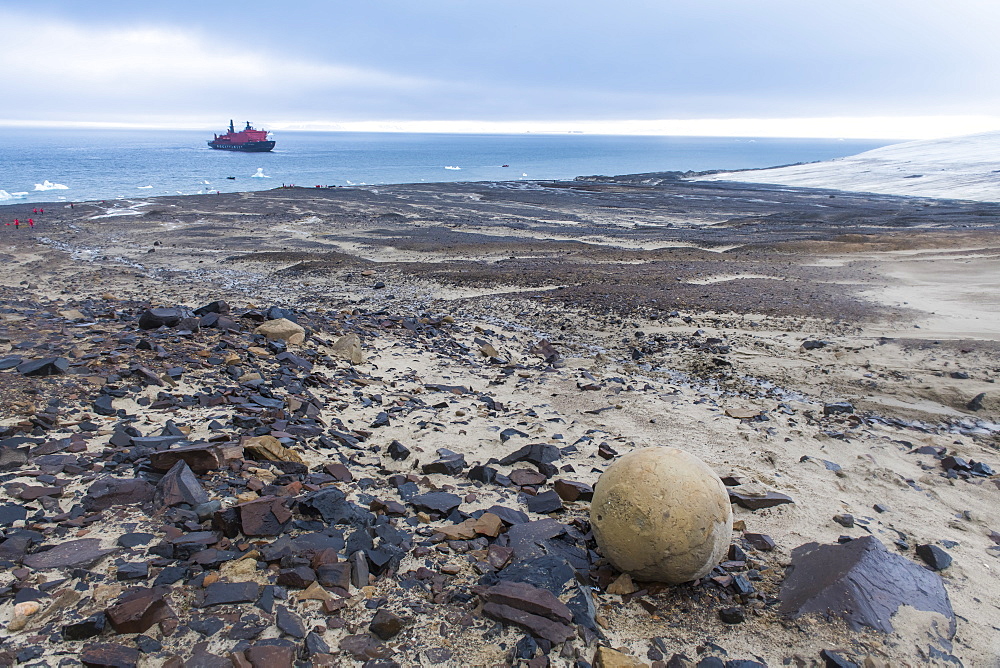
x=247, y=140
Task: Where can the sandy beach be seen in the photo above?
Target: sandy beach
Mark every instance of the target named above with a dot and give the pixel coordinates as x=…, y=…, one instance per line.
x=720, y=318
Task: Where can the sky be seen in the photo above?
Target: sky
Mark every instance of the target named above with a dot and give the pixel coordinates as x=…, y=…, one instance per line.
x=849, y=68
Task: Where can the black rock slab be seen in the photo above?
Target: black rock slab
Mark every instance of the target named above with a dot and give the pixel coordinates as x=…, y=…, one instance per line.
x=536, y=453
x=179, y=485
x=544, y=503
x=49, y=366
x=87, y=628
x=332, y=505
x=10, y=513
x=161, y=317
x=223, y=593
x=109, y=655
x=290, y=623
x=79, y=553
x=861, y=582
x=750, y=502
x=107, y=492
x=934, y=556
x=436, y=502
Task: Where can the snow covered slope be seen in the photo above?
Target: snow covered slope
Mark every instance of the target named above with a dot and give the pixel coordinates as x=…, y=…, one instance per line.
x=959, y=168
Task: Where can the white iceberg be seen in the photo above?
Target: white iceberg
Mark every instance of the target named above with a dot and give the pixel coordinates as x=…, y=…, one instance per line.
x=451, y=167
x=143, y=187
x=260, y=174
x=4, y=195
x=48, y=185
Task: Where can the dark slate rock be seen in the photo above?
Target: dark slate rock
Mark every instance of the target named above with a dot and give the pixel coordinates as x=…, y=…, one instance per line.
x=219, y=306
x=201, y=458
x=540, y=627
x=10, y=513
x=537, y=453
x=386, y=624
x=290, y=623
x=331, y=504
x=206, y=626
x=450, y=463
x=571, y=490
x=315, y=644
x=137, y=610
x=509, y=516
x=169, y=575
x=103, y=405
x=834, y=660
x=11, y=456
x=107, y=492
x=223, y=593
x=732, y=615
x=109, y=655
x=510, y=433
x=179, y=485
x=335, y=575
x=861, y=582
x=934, y=556
x=544, y=503
x=483, y=474
x=161, y=317
x=79, y=553
x=266, y=516
x=133, y=571
x=50, y=366
x=298, y=577
x=769, y=500
x=398, y=451
x=838, y=408
x=10, y=362
x=87, y=628
x=436, y=502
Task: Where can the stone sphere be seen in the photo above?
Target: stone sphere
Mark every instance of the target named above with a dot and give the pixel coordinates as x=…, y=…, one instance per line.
x=662, y=515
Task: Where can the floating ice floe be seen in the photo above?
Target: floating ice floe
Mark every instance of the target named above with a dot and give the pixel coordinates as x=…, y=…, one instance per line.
x=260, y=174
x=206, y=183
x=144, y=187
x=48, y=185
x=4, y=195
x=451, y=167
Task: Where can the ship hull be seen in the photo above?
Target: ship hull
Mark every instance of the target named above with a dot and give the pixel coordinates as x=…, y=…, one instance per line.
x=247, y=147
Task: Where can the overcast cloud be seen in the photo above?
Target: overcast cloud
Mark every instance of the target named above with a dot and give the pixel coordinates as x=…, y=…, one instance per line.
x=549, y=63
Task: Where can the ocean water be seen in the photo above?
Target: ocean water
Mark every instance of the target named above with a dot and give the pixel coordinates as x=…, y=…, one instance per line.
x=51, y=165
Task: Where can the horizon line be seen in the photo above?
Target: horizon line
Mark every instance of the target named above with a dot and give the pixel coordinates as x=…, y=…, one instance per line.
x=901, y=128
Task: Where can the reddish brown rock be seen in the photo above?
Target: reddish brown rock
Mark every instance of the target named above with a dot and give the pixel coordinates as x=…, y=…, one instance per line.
x=199, y=458
x=109, y=655
x=536, y=625
x=107, y=492
x=179, y=485
x=569, y=490
x=75, y=553
x=270, y=656
x=530, y=599
x=138, y=610
x=266, y=516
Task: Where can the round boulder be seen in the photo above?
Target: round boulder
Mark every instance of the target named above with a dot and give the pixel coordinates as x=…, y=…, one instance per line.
x=662, y=515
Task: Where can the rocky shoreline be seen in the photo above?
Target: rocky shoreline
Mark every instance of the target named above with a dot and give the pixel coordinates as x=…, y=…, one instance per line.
x=362, y=427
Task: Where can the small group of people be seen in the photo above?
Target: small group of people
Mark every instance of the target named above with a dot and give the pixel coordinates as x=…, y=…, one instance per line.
x=29, y=222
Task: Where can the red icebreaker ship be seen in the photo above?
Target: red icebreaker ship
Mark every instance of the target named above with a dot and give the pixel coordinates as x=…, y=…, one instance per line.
x=247, y=139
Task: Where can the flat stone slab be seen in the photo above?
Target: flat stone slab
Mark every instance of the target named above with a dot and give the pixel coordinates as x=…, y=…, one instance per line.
x=75, y=553
x=861, y=582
